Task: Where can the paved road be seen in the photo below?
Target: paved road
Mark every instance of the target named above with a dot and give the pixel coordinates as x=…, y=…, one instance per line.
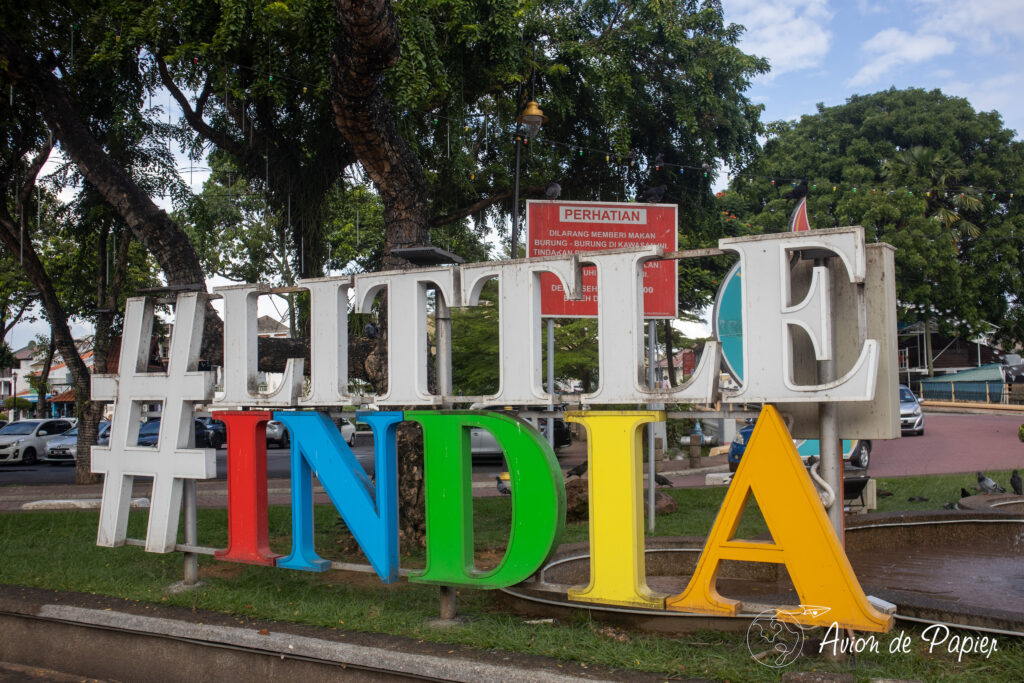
x=952, y=444
x=278, y=466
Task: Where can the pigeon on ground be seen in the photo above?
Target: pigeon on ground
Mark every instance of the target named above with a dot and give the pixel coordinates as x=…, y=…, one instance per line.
x=917, y=499
x=798, y=192
x=653, y=195
x=578, y=470
x=882, y=493
x=951, y=506
x=989, y=486
x=553, y=190
x=371, y=331
x=964, y=493
x=662, y=481
x=1015, y=483
x=503, y=487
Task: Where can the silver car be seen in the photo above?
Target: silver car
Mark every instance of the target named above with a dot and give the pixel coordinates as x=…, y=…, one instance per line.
x=278, y=435
x=911, y=416
x=25, y=440
x=63, y=448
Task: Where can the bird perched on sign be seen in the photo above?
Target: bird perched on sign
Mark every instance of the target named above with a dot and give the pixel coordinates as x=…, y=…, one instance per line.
x=798, y=192
x=577, y=471
x=663, y=481
x=1015, y=483
x=503, y=487
x=653, y=195
x=989, y=486
x=553, y=190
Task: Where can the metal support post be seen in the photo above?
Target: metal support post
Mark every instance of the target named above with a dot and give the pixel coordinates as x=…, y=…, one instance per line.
x=447, y=602
x=651, y=342
x=191, y=531
x=443, y=325
x=515, y=202
x=551, y=380
x=831, y=467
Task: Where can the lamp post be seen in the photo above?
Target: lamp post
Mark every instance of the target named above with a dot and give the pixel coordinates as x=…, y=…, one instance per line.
x=530, y=120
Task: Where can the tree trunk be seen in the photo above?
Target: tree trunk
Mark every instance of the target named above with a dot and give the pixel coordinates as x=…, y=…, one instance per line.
x=929, y=361
x=368, y=43
x=37, y=275
x=43, y=381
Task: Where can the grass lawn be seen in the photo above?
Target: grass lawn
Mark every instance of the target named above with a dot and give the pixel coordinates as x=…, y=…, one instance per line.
x=56, y=550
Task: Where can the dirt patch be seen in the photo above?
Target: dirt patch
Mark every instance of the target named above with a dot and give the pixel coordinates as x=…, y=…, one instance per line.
x=221, y=570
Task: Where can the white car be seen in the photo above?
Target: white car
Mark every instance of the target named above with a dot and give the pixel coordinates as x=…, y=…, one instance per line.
x=278, y=435
x=25, y=440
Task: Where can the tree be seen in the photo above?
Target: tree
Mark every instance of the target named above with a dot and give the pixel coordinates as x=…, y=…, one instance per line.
x=922, y=171
x=652, y=81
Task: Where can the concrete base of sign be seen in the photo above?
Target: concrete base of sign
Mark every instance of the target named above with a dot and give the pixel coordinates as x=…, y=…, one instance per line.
x=954, y=567
x=76, y=504
x=447, y=624
x=182, y=587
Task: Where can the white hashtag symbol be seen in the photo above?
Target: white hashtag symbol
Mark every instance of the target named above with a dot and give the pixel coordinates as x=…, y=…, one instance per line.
x=172, y=460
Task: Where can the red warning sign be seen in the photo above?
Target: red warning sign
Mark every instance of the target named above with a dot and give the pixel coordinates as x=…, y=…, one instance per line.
x=575, y=227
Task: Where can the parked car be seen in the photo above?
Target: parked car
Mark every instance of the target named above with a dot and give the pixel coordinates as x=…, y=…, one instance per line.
x=278, y=436
x=25, y=440
x=858, y=453
x=216, y=432
x=911, y=416
x=149, y=433
x=62, y=449
x=483, y=442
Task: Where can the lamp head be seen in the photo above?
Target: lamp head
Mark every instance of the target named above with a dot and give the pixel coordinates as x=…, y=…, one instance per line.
x=531, y=119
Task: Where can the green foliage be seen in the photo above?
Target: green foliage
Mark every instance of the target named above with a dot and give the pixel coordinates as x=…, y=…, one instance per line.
x=909, y=165
x=1020, y=433
x=17, y=403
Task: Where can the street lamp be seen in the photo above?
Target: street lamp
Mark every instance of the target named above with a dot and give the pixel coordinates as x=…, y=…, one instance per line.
x=531, y=120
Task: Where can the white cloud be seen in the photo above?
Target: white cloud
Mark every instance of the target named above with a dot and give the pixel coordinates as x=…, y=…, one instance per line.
x=791, y=34
x=1000, y=92
x=867, y=7
x=893, y=48
x=983, y=25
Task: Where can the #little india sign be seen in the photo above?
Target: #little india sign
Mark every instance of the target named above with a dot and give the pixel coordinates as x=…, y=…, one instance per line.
x=802, y=538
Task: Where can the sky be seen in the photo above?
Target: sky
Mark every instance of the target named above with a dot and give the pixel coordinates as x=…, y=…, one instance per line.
x=822, y=51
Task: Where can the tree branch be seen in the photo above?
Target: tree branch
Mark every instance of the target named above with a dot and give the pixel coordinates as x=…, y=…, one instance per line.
x=195, y=118
x=531, y=191
x=161, y=236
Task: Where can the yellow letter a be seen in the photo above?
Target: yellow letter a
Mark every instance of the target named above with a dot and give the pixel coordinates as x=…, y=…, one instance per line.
x=802, y=539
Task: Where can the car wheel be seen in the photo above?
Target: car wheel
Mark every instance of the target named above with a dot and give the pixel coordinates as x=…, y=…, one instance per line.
x=920, y=432
x=352, y=439
x=863, y=455
x=285, y=441
x=733, y=466
x=29, y=456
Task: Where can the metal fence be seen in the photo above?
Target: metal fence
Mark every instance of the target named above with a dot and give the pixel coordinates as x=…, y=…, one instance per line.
x=971, y=392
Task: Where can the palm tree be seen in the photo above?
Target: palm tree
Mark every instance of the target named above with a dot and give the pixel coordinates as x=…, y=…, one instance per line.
x=945, y=200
